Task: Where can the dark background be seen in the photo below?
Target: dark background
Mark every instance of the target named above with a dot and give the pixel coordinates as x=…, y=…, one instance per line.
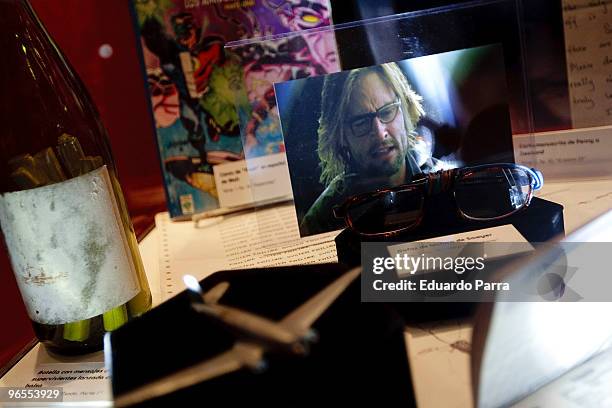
x=541, y=25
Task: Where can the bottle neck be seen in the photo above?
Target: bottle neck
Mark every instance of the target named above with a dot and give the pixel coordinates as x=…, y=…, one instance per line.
x=41, y=102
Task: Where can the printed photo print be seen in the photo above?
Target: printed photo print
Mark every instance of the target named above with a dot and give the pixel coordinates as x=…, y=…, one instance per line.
x=380, y=126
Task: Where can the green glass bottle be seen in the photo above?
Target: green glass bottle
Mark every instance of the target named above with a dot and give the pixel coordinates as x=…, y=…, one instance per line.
x=62, y=212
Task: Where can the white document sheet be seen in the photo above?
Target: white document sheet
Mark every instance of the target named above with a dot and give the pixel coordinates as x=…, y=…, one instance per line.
x=439, y=356
x=583, y=201
x=266, y=237
x=84, y=379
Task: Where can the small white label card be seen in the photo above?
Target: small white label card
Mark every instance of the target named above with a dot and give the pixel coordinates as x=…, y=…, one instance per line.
x=255, y=180
x=497, y=242
x=567, y=154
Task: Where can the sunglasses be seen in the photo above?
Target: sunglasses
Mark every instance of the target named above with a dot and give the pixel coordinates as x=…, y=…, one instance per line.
x=481, y=193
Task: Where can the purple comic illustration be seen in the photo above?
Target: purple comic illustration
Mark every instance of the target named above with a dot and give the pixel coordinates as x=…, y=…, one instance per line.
x=268, y=61
x=195, y=85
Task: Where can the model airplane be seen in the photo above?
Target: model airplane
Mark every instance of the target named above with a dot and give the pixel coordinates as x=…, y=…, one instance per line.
x=292, y=334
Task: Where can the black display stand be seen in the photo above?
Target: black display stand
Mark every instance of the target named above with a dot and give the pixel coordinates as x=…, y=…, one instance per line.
x=360, y=357
x=540, y=222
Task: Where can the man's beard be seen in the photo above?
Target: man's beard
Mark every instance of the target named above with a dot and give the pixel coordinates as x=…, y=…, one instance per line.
x=376, y=170
x=385, y=168
x=377, y=167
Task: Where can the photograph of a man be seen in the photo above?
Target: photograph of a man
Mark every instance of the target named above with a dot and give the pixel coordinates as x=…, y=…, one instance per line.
x=376, y=127
x=366, y=138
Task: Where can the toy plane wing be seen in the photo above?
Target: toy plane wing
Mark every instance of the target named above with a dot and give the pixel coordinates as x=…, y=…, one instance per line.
x=305, y=315
x=241, y=355
x=214, y=294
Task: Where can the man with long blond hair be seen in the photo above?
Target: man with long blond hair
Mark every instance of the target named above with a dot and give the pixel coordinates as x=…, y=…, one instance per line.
x=366, y=138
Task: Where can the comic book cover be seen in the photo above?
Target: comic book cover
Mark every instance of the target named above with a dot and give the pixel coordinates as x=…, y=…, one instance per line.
x=279, y=59
x=194, y=85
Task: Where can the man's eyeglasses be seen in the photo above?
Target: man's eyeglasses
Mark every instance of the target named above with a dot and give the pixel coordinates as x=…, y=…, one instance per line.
x=361, y=125
x=482, y=193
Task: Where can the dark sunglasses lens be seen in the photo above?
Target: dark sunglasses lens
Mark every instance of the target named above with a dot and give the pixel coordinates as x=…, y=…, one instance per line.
x=491, y=193
x=386, y=213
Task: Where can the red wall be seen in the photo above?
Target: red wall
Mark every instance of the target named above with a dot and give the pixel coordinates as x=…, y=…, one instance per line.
x=80, y=28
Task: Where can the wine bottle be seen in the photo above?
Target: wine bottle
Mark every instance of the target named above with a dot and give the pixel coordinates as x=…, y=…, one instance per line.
x=62, y=213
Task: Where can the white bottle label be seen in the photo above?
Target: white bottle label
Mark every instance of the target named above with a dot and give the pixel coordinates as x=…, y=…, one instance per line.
x=68, y=249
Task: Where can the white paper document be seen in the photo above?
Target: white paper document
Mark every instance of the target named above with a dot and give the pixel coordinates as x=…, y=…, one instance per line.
x=266, y=237
x=84, y=379
x=439, y=356
x=582, y=201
